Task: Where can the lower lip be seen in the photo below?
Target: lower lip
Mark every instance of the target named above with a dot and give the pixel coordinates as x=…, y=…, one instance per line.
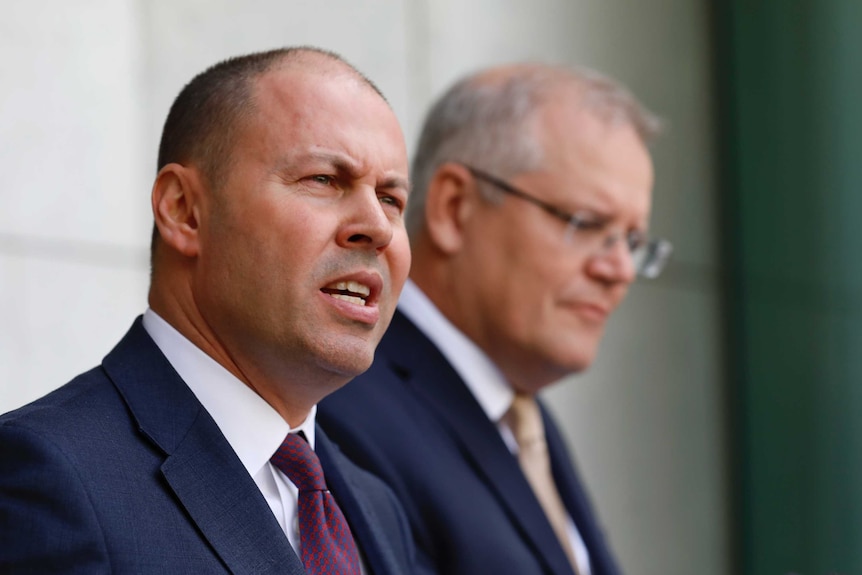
x=368, y=314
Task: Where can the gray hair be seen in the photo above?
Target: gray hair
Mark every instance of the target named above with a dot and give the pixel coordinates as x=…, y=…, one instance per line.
x=487, y=120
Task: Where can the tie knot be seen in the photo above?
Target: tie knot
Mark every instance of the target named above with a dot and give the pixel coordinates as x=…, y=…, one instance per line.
x=525, y=420
x=299, y=463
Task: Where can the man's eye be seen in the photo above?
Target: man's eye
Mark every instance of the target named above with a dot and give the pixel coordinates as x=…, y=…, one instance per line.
x=322, y=179
x=589, y=222
x=392, y=201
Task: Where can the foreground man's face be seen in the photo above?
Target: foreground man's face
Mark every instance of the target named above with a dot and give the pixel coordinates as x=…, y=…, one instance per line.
x=306, y=252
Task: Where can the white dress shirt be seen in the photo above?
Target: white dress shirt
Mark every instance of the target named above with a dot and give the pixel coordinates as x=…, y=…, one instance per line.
x=481, y=375
x=251, y=426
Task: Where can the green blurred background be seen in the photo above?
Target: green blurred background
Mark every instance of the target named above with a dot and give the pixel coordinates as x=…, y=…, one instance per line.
x=790, y=120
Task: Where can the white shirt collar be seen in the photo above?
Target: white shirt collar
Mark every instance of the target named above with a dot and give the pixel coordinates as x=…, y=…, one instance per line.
x=484, y=379
x=251, y=426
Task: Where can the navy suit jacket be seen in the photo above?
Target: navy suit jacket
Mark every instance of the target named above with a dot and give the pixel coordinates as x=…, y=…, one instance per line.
x=122, y=470
x=412, y=421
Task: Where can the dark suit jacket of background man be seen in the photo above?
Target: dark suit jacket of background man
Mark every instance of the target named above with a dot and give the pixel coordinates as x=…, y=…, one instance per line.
x=412, y=421
x=131, y=475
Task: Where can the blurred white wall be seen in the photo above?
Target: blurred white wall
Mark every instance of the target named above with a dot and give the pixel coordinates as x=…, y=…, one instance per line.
x=86, y=86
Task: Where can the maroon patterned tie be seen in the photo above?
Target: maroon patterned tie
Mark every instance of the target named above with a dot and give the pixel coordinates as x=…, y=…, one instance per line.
x=327, y=544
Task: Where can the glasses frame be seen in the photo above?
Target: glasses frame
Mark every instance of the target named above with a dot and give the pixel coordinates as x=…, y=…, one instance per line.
x=656, y=251
x=505, y=186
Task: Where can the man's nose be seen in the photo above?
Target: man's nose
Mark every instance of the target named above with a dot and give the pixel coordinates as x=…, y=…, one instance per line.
x=366, y=223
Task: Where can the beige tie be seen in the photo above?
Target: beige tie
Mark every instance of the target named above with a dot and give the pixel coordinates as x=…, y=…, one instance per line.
x=525, y=421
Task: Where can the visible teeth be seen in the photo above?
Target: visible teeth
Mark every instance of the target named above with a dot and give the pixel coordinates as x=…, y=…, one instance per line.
x=356, y=293
x=348, y=298
x=353, y=287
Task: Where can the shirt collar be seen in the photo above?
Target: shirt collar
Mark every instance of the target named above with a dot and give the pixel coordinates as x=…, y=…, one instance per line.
x=251, y=426
x=483, y=378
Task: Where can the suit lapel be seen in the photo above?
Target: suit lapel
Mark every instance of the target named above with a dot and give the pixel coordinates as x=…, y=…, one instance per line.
x=366, y=529
x=200, y=467
x=226, y=504
x=428, y=373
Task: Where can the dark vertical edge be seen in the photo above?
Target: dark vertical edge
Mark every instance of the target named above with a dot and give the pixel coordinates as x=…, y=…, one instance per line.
x=731, y=278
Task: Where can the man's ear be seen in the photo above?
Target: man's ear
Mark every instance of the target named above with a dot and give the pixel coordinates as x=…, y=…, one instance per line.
x=176, y=198
x=449, y=204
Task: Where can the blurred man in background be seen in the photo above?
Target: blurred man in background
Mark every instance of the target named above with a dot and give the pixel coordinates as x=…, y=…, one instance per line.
x=278, y=257
x=528, y=222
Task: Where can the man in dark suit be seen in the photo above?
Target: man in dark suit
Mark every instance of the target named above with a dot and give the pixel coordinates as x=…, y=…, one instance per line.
x=279, y=252
x=527, y=221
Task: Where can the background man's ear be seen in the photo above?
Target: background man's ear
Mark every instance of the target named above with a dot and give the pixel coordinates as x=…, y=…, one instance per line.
x=450, y=203
x=176, y=198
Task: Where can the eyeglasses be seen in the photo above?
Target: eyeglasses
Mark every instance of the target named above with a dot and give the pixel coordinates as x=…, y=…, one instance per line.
x=649, y=255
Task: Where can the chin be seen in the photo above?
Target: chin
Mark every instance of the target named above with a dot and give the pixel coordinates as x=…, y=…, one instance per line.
x=351, y=364
x=569, y=363
x=345, y=355
x=350, y=369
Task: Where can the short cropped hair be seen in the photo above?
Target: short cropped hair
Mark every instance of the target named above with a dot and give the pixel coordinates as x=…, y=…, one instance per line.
x=487, y=122
x=206, y=116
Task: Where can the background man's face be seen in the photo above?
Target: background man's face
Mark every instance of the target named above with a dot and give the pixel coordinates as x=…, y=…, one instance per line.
x=548, y=300
x=304, y=251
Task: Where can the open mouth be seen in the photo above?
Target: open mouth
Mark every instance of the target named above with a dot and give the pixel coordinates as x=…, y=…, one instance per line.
x=349, y=291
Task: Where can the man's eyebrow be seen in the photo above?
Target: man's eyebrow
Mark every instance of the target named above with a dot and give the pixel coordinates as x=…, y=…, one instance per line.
x=296, y=160
x=395, y=182
x=340, y=162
